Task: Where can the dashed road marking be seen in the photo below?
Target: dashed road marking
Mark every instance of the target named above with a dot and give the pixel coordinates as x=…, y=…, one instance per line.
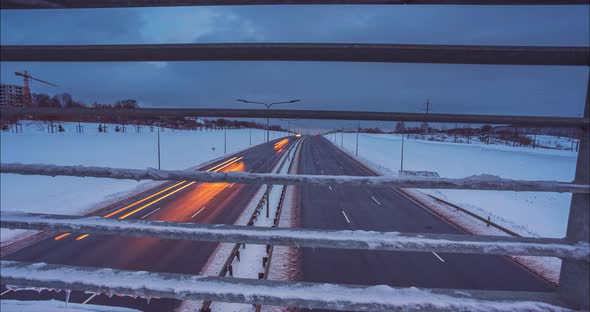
x=196, y=213
x=375, y=200
x=346, y=217
x=150, y=213
x=439, y=258
x=330, y=188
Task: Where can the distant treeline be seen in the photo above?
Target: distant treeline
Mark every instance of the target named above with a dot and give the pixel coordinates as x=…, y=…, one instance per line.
x=66, y=100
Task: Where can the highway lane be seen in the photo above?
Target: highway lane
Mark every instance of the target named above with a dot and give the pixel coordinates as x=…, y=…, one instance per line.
x=385, y=209
x=220, y=203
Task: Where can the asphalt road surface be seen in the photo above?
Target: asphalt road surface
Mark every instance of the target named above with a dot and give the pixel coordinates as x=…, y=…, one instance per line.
x=220, y=203
x=385, y=209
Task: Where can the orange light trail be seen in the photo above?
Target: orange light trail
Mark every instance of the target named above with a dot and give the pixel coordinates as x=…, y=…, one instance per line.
x=279, y=145
x=155, y=201
x=231, y=163
x=229, y=160
x=64, y=235
x=81, y=237
x=141, y=201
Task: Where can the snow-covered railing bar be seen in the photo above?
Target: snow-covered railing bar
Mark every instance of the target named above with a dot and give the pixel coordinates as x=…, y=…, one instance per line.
x=276, y=293
x=482, y=182
x=529, y=121
x=365, y=240
x=73, y=4
x=310, y=52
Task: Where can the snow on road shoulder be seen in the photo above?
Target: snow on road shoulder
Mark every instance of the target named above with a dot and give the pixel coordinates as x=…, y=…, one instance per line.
x=528, y=213
x=246, y=268
x=250, y=263
x=70, y=195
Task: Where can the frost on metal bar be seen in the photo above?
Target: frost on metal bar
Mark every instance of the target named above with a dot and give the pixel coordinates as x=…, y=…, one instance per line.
x=72, y=4
x=366, y=240
x=277, y=293
x=480, y=182
x=310, y=52
x=528, y=121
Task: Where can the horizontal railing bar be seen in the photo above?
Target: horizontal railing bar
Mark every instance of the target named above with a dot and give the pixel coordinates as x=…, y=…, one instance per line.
x=529, y=121
x=71, y=4
x=325, y=52
x=276, y=293
x=365, y=240
x=469, y=183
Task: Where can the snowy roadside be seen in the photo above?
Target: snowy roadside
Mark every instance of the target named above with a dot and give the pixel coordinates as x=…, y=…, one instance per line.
x=286, y=261
x=527, y=213
x=250, y=263
x=74, y=196
x=547, y=268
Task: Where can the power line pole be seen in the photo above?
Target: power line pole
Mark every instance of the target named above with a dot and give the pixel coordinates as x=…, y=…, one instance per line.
x=428, y=109
x=401, y=169
x=159, y=147
x=358, y=129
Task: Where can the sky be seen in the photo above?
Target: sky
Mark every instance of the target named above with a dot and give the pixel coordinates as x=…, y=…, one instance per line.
x=395, y=87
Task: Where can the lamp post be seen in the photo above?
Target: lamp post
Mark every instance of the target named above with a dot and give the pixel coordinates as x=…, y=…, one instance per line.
x=291, y=127
x=268, y=106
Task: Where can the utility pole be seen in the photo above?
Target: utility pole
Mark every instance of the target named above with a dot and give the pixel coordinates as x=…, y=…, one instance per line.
x=225, y=140
x=159, y=147
x=250, y=136
x=401, y=169
x=358, y=129
x=425, y=124
x=342, y=138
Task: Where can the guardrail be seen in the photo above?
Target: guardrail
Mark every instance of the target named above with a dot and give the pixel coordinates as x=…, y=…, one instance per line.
x=573, y=290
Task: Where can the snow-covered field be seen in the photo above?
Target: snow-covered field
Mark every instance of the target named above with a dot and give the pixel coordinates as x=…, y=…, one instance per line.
x=528, y=213
x=70, y=195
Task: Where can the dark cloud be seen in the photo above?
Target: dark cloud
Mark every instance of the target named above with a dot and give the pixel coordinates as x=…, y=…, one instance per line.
x=519, y=90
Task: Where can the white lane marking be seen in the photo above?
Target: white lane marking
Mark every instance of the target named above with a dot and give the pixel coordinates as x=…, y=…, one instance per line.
x=439, y=258
x=196, y=213
x=90, y=298
x=347, y=220
x=330, y=188
x=231, y=185
x=150, y=213
x=322, y=171
x=5, y=292
x=378, y=203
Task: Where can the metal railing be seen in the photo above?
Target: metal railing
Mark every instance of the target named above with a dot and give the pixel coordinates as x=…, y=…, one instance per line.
x=573, y=288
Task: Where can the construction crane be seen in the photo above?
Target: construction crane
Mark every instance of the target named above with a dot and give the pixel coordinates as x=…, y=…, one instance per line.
x=27, y=86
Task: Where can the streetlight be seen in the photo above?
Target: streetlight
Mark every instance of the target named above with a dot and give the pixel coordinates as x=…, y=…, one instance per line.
x=268, y=106
x=289, y=120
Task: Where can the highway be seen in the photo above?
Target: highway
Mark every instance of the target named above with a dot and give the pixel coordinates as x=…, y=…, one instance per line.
x=220, y=203
x=385, y=209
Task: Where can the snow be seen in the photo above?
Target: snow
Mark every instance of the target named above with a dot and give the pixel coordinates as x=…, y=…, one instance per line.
x=55, y=306
x=528, y=213
x=250, y=263
x=357, y=239
x=74, y=196
x=365, y=298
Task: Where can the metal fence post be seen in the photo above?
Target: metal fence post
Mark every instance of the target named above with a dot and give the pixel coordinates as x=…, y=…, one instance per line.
x=575, y=274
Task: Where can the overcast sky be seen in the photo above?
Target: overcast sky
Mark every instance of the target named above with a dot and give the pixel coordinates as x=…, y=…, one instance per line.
x=518, y=90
